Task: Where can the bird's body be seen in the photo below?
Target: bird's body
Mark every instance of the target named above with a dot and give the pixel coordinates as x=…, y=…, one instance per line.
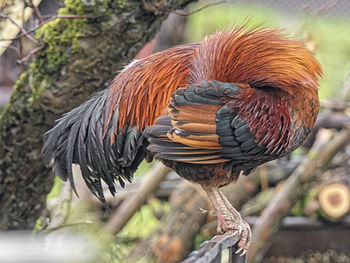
x=209, y=111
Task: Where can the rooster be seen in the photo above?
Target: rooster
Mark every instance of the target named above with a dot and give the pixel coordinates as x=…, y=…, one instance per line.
x=211, y=111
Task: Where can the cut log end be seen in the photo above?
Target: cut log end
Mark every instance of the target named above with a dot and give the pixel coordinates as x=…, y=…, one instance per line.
x=334, y=200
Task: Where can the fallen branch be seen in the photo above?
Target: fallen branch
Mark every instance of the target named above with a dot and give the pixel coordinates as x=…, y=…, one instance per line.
x=317, y=160
x=334, y=200
x=151, y=181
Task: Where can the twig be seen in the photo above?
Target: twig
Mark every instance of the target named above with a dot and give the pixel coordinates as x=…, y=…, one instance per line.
x=23, y=31
x=125, y=211
x=29, y=55
x=158, y=8
x=36, y=11
x=269, y=223
x=21, y=44
x=324, y=9
x=184, y=13
x=24, y=34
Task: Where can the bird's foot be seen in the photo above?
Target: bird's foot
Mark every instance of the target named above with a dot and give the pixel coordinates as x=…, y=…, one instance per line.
x=229, y=219
x=228, y=223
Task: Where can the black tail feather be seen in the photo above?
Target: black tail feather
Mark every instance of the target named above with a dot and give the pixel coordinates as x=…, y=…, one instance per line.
x=81, y=137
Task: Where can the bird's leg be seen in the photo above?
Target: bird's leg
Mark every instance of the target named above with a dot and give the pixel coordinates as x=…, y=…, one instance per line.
x=229, y=218
x=244, y=229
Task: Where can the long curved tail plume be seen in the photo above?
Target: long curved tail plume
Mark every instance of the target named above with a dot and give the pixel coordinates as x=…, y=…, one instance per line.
x=82, y=137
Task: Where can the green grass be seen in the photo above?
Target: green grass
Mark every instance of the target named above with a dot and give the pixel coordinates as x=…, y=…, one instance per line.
x=332, y=38
x=226, y=16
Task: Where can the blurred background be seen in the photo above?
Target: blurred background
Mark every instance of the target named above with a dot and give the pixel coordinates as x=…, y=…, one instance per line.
x=166, y=221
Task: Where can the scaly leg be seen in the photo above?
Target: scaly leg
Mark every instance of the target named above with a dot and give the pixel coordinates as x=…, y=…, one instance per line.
x=229, y=218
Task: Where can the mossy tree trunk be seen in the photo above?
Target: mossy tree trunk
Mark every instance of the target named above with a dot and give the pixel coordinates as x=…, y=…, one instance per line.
x=79, y=57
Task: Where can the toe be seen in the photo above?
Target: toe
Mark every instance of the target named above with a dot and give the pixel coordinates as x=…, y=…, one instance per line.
x=244, y=242
x=244, y=237
x=244, y=252
x=239, y=250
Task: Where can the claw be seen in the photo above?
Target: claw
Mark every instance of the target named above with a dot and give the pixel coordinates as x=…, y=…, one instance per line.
x=229, y=219
x=239, y=250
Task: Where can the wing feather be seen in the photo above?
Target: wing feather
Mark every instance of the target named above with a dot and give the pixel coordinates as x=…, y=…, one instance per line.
x=188, y=134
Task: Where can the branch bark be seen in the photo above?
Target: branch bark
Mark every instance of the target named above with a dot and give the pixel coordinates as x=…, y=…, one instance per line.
x=78, y=58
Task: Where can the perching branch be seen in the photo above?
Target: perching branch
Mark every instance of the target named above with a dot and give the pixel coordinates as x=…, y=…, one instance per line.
x=211, y=250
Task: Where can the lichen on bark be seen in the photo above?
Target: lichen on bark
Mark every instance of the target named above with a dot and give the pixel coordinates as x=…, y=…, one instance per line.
x=79, y=57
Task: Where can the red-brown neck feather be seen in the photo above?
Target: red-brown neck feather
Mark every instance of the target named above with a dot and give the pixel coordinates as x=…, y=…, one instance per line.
x=260, y=57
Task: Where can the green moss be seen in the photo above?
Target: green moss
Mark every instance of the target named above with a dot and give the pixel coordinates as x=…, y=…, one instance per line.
x=60, y=38
x=57, y=37
x=72, y=7
x=21, y=81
